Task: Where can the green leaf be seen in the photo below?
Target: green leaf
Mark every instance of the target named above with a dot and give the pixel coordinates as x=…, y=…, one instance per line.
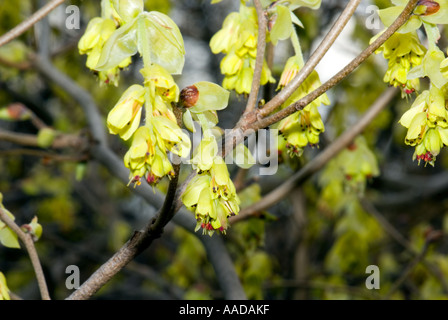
x=121, y=44
x=313, y=4
x=9, y=238
x=188, y=121
x=167, y=44
x=34, y=228
x=211, y=97
x=283, y=25
x=45, y=137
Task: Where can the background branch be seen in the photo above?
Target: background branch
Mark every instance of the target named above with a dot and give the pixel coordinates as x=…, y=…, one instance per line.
x=216, y=251
x=312, y=62
x=320, y=160
x=28, y=23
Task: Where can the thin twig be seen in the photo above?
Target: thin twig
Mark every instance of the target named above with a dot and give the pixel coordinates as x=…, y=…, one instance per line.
x=320, y=160
x=28, y=23
x=261, y=47
x=30, y=140
x=312, y=62
x=299, y=105
x=29, y=245
x=44, y=154
x=139, y=242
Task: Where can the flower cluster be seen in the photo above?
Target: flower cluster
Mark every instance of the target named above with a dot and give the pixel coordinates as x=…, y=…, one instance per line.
x=160, y=134
x=303, y=127
x=110, y=41
x=409, y=60
x=427, y=124
x=238, y=41
x=403, y=52
x=211, y=195
x=92, y=43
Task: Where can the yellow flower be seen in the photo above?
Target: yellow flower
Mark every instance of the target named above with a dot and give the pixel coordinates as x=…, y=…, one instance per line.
x=161, y=83
x=125, y=117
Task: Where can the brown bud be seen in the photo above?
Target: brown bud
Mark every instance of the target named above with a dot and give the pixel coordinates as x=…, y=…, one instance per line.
x=189, y=96
x=352, y=146
x=431, y=7
x=17, y=111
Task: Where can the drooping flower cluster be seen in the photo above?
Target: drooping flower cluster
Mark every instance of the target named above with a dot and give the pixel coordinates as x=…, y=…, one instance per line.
x=238, y=41
x=123, y=30
x=427, y=124
x=403, y=52
x=211, y=195
x=98, y=31
x=409, y=60
x=147, y=158
x=302, y=128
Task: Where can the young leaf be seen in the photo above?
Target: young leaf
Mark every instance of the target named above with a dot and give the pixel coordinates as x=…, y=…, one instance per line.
x=4, y=290
x=282, y=26
x=167, y=44
x=9, y=238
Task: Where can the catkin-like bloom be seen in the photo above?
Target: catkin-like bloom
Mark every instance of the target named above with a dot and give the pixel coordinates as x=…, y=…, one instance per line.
x=238, y=41
x=403, y=52
x=427, y=124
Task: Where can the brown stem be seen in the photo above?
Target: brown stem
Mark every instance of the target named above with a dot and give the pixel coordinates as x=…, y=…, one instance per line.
x=261, y=47
x=299, y=105
x=312, y=62
x=28, y=23
x=29, y=245
x=319, y=161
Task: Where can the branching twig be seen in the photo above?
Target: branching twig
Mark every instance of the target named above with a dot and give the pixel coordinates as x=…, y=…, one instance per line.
x=30, y=140
x=139, y=242
x=406, y=273
x=216, y=251
x=312, y=62
x=28, y=23
x=29, y=245
x=320, y=160
x=299, y=105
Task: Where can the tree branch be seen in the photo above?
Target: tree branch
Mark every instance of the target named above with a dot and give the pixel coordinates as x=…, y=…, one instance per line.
x=302, y=103
x=215, y=248
x=28, y=23
x=312, y=62
x=261, y=47
x=320, y=160
x=29, y=245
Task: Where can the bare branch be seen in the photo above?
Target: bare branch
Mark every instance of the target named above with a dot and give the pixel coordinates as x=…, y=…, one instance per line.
x=302, y=103
x=312, y=62
x=261, y=47
x=29, y=245
x=215, y=248
x=320, y=160
x=28, y=23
